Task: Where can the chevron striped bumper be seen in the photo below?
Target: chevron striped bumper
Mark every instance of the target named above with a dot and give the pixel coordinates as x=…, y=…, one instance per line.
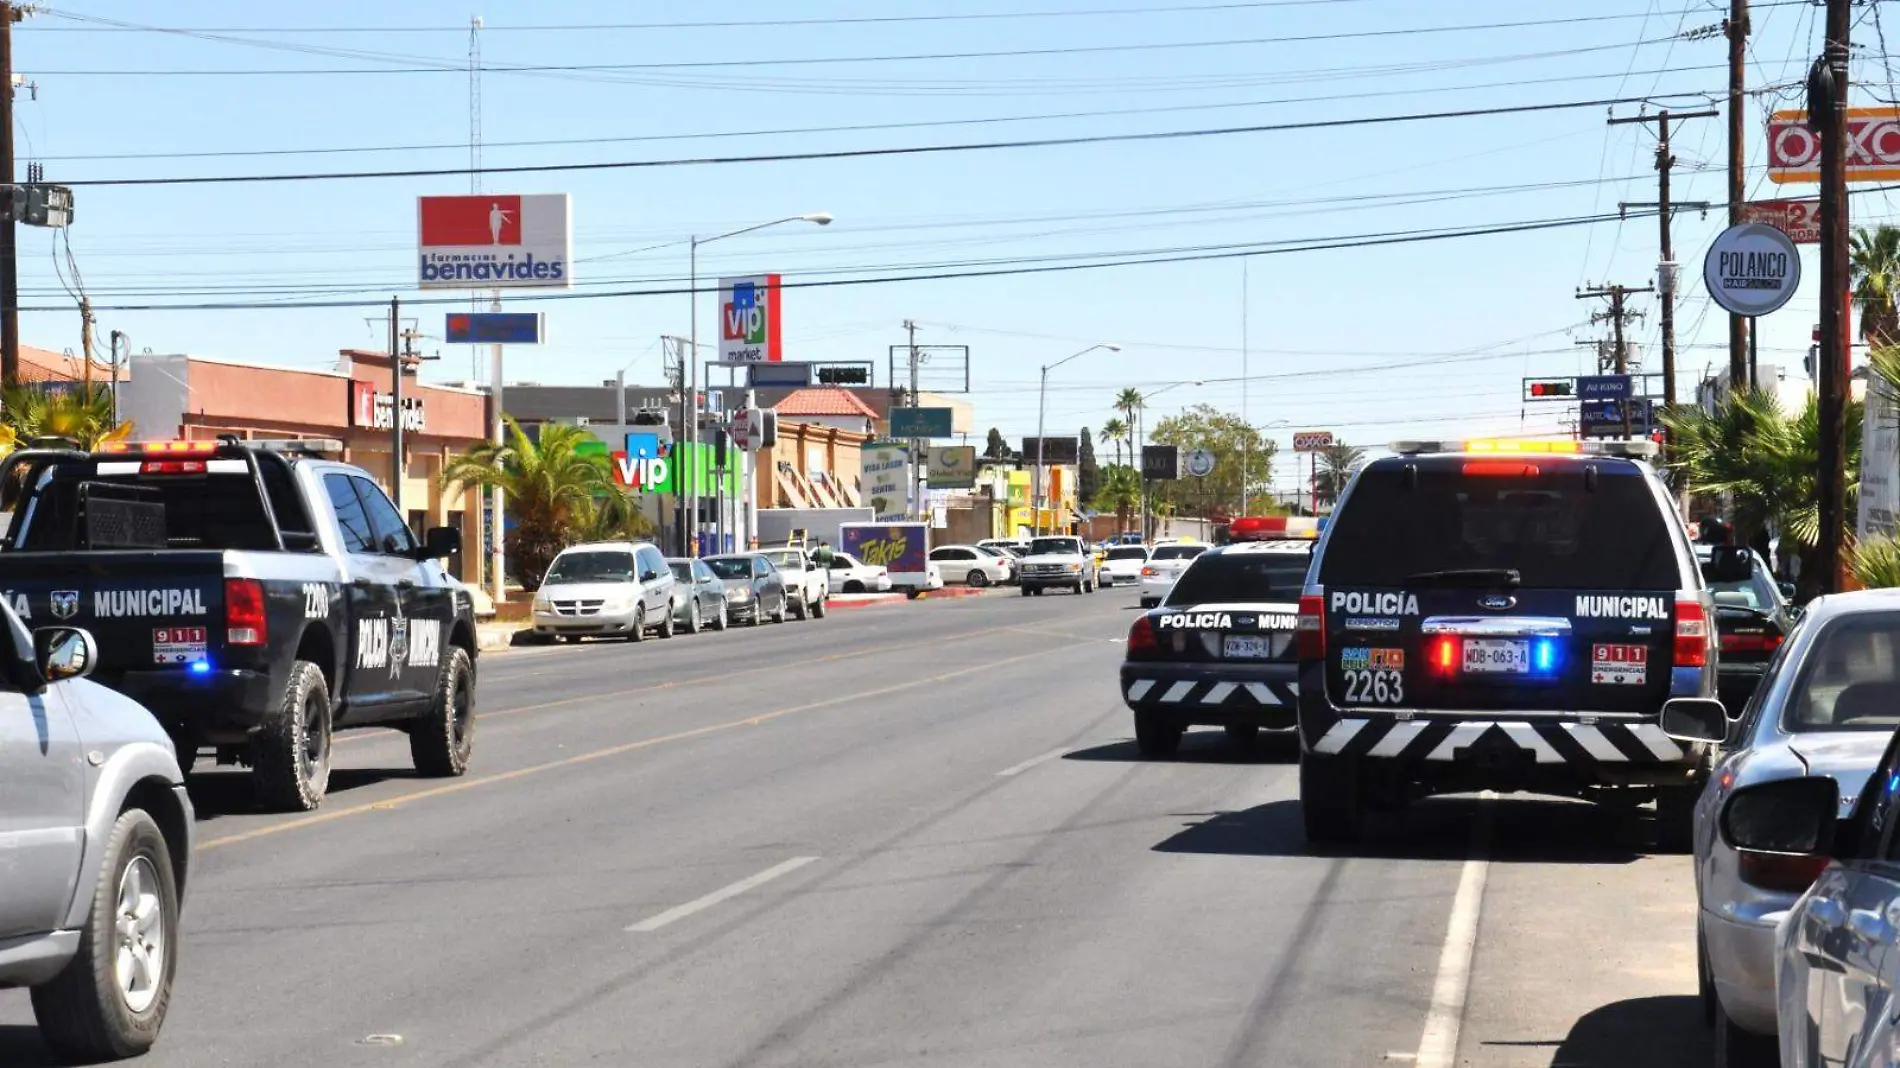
x=1214, y=694
x=1630, y=743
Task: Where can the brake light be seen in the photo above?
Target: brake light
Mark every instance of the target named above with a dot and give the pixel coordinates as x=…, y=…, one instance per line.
x=1441, y=655
x=1311, y=627
x=244, y=612
x=1141, y=639
x=1788, y=872
x=1500, y=469
x=1149, y=572
x=1751, y=643
x=1692, y=634
x=172, y=467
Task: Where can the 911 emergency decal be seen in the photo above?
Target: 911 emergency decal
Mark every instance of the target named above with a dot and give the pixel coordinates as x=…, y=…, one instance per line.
x=178, y=645
x=1619, y=665
x=1373, y=675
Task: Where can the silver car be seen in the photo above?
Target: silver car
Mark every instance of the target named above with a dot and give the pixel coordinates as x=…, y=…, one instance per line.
x=699, y=596
x=621, y=589
x=1826, y=707
x=96, y=830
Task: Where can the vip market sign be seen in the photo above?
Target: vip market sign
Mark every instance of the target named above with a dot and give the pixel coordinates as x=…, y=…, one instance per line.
x=1752, y=269
x=494, y=241
x=749, y=327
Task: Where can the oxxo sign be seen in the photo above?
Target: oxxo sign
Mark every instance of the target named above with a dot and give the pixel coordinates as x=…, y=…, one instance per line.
x=1312, y=440
x=1752, y=269
x=1873, y=146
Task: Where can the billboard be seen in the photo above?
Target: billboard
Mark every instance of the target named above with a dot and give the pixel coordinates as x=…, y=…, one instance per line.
x=898, y=547
x=1312, y=440
x=1051, y=450
x=885, y=472
x=1879, y=515
x=951, y=466
x=1159, y=463
x=749, y=319
x=493, y=241
x=1873, y=146
x=920, y=422
x=1799, y=219
x=493, y=328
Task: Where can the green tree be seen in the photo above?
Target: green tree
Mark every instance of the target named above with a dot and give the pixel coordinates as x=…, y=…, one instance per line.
x=556, y=493
x=1116, y=431
x=1874, y=264
x=1335, y=465
x=997, y=448
x=1088, y=476
x=1229, y=438
x=1127, y=403
x=1120, y=493
x=76, y=414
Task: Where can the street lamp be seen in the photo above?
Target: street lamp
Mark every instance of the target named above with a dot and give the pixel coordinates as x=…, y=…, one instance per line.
x=687, y=480
x=1042, y=409
x=1141, y=408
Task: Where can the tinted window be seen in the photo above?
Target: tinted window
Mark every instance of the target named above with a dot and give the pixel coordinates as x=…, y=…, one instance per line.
x=349, y=514
x=1055, y=546
x=1128, y=553
x=389, y=533
x=1240, y=578
x=682, y=571
x=592, y=565
x=221, y=511
x=702, y=572
x=1177, y=552
x=652, y=561
x=1850, y=679
x=731, y=567
x=761, y=566
x=1556, y=532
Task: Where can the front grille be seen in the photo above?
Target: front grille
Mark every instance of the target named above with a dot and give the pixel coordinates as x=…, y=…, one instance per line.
x=577, y=608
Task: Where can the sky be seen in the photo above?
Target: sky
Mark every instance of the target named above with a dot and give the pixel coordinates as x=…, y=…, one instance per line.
x=1375, y=340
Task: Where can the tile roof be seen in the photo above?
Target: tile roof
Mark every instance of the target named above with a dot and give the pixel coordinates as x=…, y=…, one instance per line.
x=824, y=400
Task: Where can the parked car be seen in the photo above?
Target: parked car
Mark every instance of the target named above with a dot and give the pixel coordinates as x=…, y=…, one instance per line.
x=1124, y=564
x=1017, y=547
x=806, y=587
x=848, y=574
x=699, y=597
x=1009, y=559
x=1164, y=565
x=96, y=829
x=754, y=588
x=622, y=589
x=1753, y=615
x=966, y=564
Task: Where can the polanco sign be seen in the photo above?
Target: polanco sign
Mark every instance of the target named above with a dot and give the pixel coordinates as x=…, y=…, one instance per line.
x=1873, y=146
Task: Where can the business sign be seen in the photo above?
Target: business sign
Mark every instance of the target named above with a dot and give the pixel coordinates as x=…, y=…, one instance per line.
x=1312, y=440
x=920, y=422
x=1603, y=387
x=1051, y=450
x=749, y=319
x=950, y=466
x=644, y=465
x=1752, y=269
x=885, y=473
x=493, y=328
x=373, y=410
x=1198, y=463
x=1604, y=418
x=1160, y=463
x=898, y=547
x=1873, y=146
x=1879, y=512
x=1799, y=219
x=494, y=241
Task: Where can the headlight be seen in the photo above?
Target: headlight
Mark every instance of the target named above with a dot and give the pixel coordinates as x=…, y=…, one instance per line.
x=738, y=593
x=619, y=602
x=542, y=604
x=1072, y=567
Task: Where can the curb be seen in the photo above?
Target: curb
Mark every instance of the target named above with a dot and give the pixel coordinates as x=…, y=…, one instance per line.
x=863, y=600
x=959, y=591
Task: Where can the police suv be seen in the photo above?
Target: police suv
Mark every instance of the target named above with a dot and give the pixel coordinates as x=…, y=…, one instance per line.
x=1502, y=615
x=253, y=595
x=1219, y=649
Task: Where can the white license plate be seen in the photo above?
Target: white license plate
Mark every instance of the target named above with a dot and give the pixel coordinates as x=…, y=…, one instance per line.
x=1246, y=646
x=1485, y=656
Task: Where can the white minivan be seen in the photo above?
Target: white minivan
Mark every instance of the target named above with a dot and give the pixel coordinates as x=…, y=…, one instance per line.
x=614, y=588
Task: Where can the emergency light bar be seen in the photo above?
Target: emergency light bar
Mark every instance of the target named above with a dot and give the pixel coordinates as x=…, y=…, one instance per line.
x=286, y=446
x=1272, y=528
x=300, y=446
x=1632, y=448
x=162, y=448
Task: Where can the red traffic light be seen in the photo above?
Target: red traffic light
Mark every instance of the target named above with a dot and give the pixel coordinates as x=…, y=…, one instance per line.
x=1561, y=387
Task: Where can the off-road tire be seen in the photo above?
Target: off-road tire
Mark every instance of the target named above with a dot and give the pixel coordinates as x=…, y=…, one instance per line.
x=1332, y=807
x=1156, y=737
x=81, y=1013
x=442, y=739
x=290, y=769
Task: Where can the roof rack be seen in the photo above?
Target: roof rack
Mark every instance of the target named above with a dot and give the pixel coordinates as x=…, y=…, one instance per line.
x=1630, y=448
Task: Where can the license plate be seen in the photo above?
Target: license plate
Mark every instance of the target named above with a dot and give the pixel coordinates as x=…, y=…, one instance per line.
x=1494, y=657
x=1246, y=646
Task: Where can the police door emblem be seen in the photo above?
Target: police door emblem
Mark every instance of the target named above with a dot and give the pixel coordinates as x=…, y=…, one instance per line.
x=398, y=645
x=65, y=604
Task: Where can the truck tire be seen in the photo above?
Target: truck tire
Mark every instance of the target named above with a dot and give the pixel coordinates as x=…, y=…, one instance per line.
x=92, y=1010
x=799, y=611
x=818, y=610
x=442, y=739
x=290, y=755
x=1331, y=806
x=1156, y=737
x=1675, y=818
x=1027, y=590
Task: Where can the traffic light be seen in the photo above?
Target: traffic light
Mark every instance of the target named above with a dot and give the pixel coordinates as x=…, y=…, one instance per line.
x=1550, y=388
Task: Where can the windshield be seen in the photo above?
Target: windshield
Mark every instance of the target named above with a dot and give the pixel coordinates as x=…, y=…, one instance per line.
x=1177, y=552
x=1241, y=578
x=593, y=566
x=730, y=567
x=1136, y=553
x=1055, y=547
x=1850, y=680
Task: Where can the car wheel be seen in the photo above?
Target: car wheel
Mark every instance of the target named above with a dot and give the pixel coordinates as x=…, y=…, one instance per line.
x=571, y=639
x=1675, y=818
x=778, y=614
x=667, y=624
x=721, y=620
x=1149, y=602
x=1027, y=591
x=692, y=617
x=110, y=1000
x=977, y=578
x=639, y=631
x=854, y=586
x=1331, y=807
x=818, y=609
x=1704, y=982
x=1040, y=590
x=799, y=611
x=1737, y=1048
x=1156, y=737
x=290, y=755
x=441, y=741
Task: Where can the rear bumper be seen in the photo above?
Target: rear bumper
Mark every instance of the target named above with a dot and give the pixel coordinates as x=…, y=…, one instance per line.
x=1741, y=949
x=216, y=706
x=1213, y=694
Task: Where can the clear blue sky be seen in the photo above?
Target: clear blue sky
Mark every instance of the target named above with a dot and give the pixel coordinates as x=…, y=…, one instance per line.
x=1471, y=316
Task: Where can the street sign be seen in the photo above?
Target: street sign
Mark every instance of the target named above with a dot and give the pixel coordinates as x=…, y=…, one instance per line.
x=1799, y=219
x=1198, y=462
x=1752, y=269
x=1160, y=462
x=778, y=375
x=920, y=422
x=1312, y=440
x=1603, y=387
x=493, y=328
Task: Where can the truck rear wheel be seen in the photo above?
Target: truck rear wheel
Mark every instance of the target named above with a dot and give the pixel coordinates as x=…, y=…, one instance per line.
x=1156, y=737
x=290, y=755
x=1331, y=805
x=441, y=741
x=818, y=608
x=1675, y=818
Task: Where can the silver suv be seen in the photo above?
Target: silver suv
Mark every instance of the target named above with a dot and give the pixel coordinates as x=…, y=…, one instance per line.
x=97, y=830
x=618, y=588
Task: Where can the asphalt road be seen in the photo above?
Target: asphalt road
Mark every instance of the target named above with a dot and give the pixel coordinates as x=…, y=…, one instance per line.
x=914, y=835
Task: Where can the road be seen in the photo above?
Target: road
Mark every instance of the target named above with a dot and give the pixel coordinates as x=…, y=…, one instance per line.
x=911, y=835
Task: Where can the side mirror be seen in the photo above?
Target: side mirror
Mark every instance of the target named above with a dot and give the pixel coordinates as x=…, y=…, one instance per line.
x=1786, y=816
x=439, y=543
x=64, y=653
x=1695, y=719
x=649, y=576
x=1787, y=589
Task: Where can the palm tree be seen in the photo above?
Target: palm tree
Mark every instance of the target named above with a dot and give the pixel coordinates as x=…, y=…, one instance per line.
x=76, y=414
x=1116, y=431
x=553, y=491
x=1120, y=492
x=1874, y=262
x=1128, y=402
x=1337, y=462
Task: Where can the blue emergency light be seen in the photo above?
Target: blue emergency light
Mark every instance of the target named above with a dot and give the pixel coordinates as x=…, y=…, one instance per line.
x=201, y=667
x=1544, y=655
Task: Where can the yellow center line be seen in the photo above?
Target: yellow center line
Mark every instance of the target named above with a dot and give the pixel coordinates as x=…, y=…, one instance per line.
x=460, y=785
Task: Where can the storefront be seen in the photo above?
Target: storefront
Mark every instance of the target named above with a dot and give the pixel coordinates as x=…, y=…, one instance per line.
x=198, y=398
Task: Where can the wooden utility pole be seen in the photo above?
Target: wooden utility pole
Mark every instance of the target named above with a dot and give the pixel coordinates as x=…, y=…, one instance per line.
x=9, y=257
x=1827, y=113
x=85, y=343
x=1665, y=210
x=1736, y=27
x=1619, y=312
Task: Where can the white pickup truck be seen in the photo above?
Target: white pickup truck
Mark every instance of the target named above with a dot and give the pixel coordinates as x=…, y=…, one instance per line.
x=806, y=587
x=1057, y=562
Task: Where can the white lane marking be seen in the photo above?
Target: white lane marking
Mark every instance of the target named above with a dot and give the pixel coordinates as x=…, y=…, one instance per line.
x=1219, y=693
x=1177, y=691
x=1438, y=1046
x=1018, y=769
x=1400, y=736
x=1526, y=737
x=1140, y=689
x=680, y=912
x=1338, y=734
x=1659, y=743
x=1595, y=743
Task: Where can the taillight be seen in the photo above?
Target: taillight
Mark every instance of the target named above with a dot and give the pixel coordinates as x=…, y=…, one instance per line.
x=1751, y=643
x=1311, y=627
x=1149, y=572
x=244, y=612
x=1791, y=873
x=1500, y=469
x=1141, y=639
x=1692, y=634
x=1442, y=654
x=172, y=467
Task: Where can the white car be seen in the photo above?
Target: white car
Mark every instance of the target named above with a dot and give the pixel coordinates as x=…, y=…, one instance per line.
x=1165, y=565
x=806, y=587
x=1124, y=564
x=848, y=574
x=1017, y=547
x=969, y=565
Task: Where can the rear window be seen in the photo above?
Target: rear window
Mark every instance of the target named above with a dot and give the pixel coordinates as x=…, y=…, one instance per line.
x=1547, y=525
x=1177, y=552
x=1128, y=554
x=1851, y=677
x=788, y=561
x=1241, y=577
x=730, y=567
x=221, y=511
x=593, y=566
x=682, y=569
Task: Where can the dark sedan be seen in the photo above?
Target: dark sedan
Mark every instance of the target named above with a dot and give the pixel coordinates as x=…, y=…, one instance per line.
x=754, y=588
x=699, y=596
x=1752, y=617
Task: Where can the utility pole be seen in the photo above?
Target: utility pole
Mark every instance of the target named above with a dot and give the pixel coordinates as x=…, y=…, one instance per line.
x=1618, y=297
x=115, y=341
x=85, y=344
x=677, y=375
x=395, y=405
x=1665, y=210
x=1827, y=112
x=916, y=444
x=9, y=255
x=1737, y=28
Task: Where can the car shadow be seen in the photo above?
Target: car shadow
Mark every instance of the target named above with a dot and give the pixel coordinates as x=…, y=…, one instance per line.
x=1521, y=831
x=1200, y=747
x=216, y=794
x=21, y=1047
x=1649, y=1032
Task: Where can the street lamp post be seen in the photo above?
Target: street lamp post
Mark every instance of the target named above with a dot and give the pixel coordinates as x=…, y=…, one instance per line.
x=1141, y=409
x=1042, y=409
x=686, y=480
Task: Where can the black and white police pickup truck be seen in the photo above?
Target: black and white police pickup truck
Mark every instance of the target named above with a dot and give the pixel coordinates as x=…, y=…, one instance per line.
x=1219, y=649
x=1508, y=616
x=254, y=596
